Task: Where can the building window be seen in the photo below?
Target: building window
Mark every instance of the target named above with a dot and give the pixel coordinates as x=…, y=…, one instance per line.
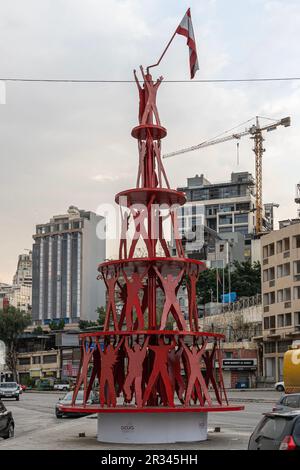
x=271, y=249
x=296, y=241
x=265, y=252
x=225, y=229
x=270, y=348
x=265, y=275
x=24, y=361
x=279, y=246
x=225, y=219
x=284, y=295
x=228, y=354
x=49, y=359
x=296, y=267
x=297, y=293
x=283, y=346
x=288, y=319
x=243, y=229
x=297, y=318
x=283, y=270
x=280, y=321
x=36, y=360
x=241, y=218
x=266, y=323
x=272, y=322
x=272, y=298
x=286, y=244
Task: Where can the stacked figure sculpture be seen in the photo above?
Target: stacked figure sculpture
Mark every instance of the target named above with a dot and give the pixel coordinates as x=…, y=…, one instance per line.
x=149, y=355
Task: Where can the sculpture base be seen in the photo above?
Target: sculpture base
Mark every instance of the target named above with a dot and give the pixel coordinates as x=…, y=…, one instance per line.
x=151, y=428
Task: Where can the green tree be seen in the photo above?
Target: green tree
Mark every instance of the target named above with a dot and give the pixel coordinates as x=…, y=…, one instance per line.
x=12, y=323
x=84, y=324
x=245, y=281
x=55, y=326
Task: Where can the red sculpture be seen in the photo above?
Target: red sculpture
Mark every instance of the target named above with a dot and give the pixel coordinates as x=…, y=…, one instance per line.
x=169, y=362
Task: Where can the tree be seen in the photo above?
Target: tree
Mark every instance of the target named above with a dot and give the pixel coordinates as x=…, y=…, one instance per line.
x=245, y=281
x=84, y=324
x=12, y=323
x=54, y=326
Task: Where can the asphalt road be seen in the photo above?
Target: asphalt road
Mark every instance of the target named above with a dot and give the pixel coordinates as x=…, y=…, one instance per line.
x=37, y=426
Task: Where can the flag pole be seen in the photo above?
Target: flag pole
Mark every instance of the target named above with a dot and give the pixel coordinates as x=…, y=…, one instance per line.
x=165, y=50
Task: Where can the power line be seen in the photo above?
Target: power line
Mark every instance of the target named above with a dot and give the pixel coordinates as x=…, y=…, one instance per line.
x=221, y=80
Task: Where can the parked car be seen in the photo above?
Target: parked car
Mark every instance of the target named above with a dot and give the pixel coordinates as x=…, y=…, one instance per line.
x=288, y=402
x=279, y=386
x=277, y=431
x=10, y=390
x=67, y=400
x=62, y=386
x=7, y=425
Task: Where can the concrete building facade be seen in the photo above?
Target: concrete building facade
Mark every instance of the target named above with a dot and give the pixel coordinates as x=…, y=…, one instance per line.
x=66, y=253
x=281, y=295
x=226, y=209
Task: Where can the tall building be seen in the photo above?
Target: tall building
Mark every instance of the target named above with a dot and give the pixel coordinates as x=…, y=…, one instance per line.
x=23, y=275
x=21, y=292
x=228, y=212
x=281, y=295
x=66, y=253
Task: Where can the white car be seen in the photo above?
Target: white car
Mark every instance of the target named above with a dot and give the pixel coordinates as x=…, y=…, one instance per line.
x=62, y=386
x=279, y=387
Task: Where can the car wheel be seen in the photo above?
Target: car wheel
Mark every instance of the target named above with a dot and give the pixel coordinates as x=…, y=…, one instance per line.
x=280, y=388
x=10, y=432
x=58, y=415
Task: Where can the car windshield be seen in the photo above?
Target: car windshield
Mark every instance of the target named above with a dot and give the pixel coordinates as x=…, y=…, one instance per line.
x=273, y=427
x=69, y=396
x=8, y=385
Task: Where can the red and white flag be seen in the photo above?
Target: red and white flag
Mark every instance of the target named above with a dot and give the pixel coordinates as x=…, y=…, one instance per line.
x=186, y=29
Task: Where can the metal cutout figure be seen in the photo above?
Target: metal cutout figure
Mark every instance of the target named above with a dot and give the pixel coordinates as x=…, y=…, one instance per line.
x=160, y=370
x=133, y=382
x=134, y=285
x=109, y=358
x=170, y=284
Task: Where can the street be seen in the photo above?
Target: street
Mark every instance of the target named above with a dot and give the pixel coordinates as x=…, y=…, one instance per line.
x=37, y=427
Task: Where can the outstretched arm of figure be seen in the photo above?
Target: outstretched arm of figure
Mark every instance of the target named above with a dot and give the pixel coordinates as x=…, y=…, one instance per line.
x=120, y=344
x=137, y=80
x=179, y=276
x=146, y=342
x=158, y=81
x=142, y=71
x=159, y=274
x=125, y=276
x=184, y=346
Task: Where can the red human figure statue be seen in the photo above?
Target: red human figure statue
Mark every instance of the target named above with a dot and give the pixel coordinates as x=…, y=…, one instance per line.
x=170, y=284
x=174, y=368
x=88, y=348
x=192, y=295
x=109, y=358
x=140, y=216
x=141, y=97
x=136, y=357
x=110, y=280
x=160, y=371
x=123, y=240
x=95, y=373
x=150, y=99
x=209, y=376
x=133, y=285
x=195, y=377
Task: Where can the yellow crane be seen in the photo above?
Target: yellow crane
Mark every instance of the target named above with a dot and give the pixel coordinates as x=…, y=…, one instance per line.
x=256, y=133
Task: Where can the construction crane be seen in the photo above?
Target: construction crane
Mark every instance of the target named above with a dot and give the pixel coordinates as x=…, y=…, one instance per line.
x=255, y=131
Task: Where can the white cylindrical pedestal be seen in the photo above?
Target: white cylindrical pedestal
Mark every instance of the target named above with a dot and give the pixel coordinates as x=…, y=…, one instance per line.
x=151, y=428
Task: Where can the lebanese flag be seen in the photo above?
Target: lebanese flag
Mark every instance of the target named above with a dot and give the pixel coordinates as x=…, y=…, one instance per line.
x=186, y=29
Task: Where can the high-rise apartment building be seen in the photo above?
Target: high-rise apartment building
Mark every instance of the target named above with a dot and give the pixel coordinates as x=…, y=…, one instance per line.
x=281, y=295
x=66, y=253
x=226, y=209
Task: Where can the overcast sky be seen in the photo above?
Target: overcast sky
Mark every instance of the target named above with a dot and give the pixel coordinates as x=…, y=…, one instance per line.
x=70, y=144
